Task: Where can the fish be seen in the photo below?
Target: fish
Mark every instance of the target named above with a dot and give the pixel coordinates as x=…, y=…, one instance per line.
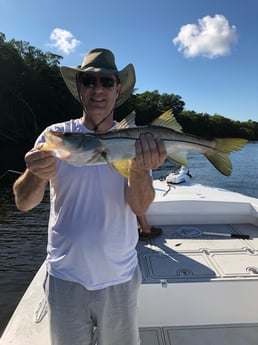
x=116, y=147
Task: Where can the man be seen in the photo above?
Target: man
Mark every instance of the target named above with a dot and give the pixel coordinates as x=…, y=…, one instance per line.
x=146, y=231
x=93, y=277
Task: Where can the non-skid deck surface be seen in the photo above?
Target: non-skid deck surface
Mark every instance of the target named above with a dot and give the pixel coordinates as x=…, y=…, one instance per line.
x=185, y=253
x=208, y=282
x=231, y=335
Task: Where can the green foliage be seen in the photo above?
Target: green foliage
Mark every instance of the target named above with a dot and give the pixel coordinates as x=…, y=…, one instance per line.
x=33, y=95
x=32, y=92
x=217, y=126
x=149, y=105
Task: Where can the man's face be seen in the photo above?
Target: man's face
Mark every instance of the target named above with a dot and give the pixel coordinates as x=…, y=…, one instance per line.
x=99, y=93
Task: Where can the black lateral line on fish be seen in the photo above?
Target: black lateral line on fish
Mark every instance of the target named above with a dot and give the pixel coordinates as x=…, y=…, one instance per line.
x=166, y=139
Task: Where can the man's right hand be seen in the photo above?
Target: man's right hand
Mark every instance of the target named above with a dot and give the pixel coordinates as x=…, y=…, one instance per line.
x=41, y=163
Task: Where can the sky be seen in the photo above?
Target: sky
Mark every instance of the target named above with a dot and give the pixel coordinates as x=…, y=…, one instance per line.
x=205, y=51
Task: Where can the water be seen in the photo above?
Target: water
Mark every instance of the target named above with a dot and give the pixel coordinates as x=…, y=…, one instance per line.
x=23, y=235
x=22, y=250
x=244, y=177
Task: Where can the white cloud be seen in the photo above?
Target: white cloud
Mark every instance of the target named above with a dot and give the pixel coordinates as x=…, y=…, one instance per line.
x=63, y=40
x=211, y=38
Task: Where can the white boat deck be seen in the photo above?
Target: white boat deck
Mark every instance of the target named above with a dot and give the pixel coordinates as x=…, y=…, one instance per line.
x=203, y=287
x=199, y=286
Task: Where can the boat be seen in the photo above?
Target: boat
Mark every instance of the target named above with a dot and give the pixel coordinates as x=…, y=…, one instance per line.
x=179, y=176
x=200, y=277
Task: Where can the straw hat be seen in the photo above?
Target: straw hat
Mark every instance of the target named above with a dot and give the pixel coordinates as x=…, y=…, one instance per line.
x=100, y=61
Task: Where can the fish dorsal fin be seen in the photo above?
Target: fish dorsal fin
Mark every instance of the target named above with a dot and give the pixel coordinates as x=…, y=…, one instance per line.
x=167, y=119
x=128, y=121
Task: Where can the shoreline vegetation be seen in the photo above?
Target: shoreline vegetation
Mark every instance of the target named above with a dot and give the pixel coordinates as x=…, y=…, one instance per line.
x=33, y=96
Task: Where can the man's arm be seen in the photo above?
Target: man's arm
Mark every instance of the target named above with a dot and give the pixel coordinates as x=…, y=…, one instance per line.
x=150, y=155
x=30, y=187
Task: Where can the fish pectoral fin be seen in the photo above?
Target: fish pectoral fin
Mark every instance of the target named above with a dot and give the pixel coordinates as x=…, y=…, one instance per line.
x=168, y=120
x=121, y=167
x=219, y=156
x=179, y=158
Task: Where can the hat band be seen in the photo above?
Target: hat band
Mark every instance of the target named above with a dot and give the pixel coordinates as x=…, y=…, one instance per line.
x=89, y=65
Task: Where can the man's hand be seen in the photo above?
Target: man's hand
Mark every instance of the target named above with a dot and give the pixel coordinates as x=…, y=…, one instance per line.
x=41, y=163
x=29, y=188
x=150, y=155
x=150, y=152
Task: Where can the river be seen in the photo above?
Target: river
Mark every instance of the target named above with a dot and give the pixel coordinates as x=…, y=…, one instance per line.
x=23, y=235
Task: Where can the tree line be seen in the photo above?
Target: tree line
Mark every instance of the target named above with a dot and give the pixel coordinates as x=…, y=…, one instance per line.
x=33, y=95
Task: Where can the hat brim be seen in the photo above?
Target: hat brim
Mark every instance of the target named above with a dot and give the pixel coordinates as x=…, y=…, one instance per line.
x=126, y=77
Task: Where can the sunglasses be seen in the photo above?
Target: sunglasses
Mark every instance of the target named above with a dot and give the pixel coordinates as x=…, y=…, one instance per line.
x=92, y=82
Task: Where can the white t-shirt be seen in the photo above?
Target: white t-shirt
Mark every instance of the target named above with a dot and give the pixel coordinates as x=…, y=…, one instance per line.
x=92, y=231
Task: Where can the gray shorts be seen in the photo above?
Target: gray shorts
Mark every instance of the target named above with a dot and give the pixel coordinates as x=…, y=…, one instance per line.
x=74, y=311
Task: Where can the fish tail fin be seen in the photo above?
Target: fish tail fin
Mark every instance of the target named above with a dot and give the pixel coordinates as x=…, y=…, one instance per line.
x=219, y=155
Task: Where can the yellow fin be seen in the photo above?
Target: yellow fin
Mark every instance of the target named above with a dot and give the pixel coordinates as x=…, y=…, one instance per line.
x=50, y=142
x=167, y=119
x=179, y=158
x=46, y=146
x=219, y=156
x=230, y=144
x=128, y=121
x=121, y=167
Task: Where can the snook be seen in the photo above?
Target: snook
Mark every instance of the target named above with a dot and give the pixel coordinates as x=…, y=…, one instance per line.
x=117, y=146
